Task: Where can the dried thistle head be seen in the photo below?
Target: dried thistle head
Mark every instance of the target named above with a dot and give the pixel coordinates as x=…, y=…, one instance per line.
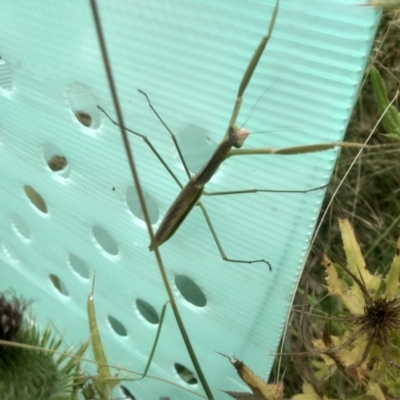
x=31, y=364
x=377, y=324
x=369, y=337
x=381, y=318
x=12, y=309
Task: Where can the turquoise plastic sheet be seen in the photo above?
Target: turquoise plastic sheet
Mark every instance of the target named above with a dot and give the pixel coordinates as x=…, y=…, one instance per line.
x=189, y=57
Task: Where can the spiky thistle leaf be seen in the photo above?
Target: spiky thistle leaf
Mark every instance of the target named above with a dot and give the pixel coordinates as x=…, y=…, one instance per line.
x=31, y=366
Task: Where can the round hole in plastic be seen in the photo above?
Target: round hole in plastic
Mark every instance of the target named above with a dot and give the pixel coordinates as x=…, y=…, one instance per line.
x=105, y=240
x=59, y=284
x=147, y=311
x=54, y=159
x=84, y=118
x=83, y=105
x=79, y=266
x=20, y=227
x=6, y=82
x=132, y=200
x=185, y=374
x=57, y=163
x=117, y=326
x=190, y=291
x=35, y=198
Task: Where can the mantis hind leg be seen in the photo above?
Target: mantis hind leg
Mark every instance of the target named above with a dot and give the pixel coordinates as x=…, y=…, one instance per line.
x=218, y=243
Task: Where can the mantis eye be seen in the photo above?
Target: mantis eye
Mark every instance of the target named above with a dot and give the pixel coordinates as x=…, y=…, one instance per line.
x=237, y=136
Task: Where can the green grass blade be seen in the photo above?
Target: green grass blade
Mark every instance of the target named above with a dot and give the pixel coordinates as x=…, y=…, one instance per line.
x=391, y=119
x=104, y=382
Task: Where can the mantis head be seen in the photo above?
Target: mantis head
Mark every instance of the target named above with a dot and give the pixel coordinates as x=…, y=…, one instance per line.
x=237, y=136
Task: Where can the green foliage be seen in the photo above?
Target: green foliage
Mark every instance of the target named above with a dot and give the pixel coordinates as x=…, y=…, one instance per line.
x=391, y=118
x=104, y=382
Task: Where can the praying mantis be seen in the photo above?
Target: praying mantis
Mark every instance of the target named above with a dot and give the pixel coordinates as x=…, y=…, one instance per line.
x=234, y=137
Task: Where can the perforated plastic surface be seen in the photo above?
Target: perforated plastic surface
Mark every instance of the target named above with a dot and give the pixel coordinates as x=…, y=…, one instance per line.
x=189, y=56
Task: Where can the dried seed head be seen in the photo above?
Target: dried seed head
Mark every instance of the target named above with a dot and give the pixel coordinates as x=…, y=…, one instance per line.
x=11, y=315
x=381, y=317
